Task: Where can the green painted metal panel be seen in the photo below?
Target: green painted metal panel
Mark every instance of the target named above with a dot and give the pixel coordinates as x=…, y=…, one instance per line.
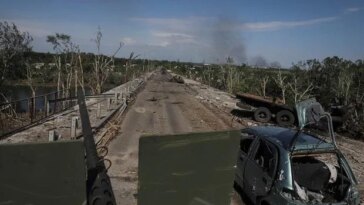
x=187, y=169
x=43, y=173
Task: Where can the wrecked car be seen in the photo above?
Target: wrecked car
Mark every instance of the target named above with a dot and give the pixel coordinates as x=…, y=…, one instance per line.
x=295, y=166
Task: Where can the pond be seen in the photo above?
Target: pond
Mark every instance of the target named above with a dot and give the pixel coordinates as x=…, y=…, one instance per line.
x=21, y=93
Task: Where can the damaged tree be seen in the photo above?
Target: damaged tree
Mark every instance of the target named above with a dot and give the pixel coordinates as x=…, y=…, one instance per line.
x=282, y=84
x=129, y=63
x=65, y=61
x=299, y=92
x=13, y=45
x=101, y=65
x=231, y=74
x=263, y=86
x=30, y=82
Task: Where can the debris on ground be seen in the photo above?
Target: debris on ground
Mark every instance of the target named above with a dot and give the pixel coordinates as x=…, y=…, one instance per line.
x=177, y=79
x=153, y=99
x=224, y=101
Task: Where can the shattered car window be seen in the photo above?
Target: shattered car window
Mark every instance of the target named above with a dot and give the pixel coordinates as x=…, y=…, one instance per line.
x=320, y=130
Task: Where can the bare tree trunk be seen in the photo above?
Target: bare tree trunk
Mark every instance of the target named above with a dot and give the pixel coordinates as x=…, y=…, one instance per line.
x=263, y=85
x=280, y=81
x=101, y=65
x=299, y=94
x=30, y=84
x=58, y=64
x=81, y=80
x=347, y=90
x=76, y=79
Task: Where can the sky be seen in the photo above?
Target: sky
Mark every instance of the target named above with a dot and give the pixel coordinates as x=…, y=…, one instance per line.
x=285, y=31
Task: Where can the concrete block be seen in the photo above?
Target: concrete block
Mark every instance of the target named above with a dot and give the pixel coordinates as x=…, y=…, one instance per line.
x=53, y=136
x=98, y=112
x=74, y=126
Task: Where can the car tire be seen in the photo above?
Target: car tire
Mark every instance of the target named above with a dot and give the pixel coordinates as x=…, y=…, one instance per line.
x=262, y=114
x=285, y=118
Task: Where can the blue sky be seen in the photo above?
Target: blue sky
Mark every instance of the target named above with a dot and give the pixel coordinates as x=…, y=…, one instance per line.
x=194, y=30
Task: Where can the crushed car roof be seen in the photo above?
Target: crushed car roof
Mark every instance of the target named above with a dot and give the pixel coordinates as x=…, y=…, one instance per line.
x=284, y=137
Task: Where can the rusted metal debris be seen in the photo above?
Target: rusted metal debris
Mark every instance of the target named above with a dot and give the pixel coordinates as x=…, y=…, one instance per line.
x=260, y=98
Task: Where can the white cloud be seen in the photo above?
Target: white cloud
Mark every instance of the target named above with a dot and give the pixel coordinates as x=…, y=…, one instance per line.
x=180, y=24
x=191, y=23
x=168, y=38
x=352, y=9
x=276, y=25
x=163, y=44
x=172, y=35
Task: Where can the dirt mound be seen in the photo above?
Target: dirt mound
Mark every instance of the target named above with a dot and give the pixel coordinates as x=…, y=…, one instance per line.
x=177, y=79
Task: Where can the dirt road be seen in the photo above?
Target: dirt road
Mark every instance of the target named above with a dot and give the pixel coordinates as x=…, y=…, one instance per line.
x=163, y=107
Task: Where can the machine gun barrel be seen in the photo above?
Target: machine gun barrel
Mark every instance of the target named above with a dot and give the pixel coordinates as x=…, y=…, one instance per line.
x=99, y=190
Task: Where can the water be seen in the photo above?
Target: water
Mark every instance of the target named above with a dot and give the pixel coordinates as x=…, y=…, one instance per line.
x=20, y=92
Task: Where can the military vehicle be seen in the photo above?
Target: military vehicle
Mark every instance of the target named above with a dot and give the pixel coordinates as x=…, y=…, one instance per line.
x=266, y=108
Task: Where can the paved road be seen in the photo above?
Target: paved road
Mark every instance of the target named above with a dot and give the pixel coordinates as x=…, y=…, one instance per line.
x=163, y=107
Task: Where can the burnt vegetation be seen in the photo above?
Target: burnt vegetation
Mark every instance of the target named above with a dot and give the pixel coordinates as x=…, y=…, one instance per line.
x=335, y=82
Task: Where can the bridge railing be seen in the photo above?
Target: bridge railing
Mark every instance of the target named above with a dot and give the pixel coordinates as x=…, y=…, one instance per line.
x=18, y=114
x=21, y=114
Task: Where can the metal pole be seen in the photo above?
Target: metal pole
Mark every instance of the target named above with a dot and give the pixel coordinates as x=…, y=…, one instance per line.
x=45, y=106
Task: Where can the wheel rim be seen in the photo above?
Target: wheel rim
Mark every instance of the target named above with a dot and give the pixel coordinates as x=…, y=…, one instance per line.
x=262, y=115
x=285, y=118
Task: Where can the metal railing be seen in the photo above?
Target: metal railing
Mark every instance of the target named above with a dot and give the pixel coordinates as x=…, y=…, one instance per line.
x=18, y=114
x=21, y=114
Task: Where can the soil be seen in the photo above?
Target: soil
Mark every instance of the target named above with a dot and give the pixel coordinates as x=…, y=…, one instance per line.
x=165, y=107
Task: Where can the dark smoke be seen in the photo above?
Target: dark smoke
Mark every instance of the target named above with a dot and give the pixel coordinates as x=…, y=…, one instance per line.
x=227, y=41
x=275, y=64
x=259, y=61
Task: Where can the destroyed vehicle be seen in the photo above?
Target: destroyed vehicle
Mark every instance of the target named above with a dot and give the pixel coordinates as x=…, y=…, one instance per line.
x=287, y=166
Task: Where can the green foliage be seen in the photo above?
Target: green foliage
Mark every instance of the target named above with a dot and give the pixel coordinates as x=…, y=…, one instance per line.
x=13, y=45
x=332, y=81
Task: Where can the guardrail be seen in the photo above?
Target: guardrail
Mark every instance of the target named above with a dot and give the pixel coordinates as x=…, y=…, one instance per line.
x=21, y=114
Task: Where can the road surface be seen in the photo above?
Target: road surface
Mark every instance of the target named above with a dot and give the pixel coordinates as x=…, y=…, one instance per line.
x=165, y=107
x=162, y=107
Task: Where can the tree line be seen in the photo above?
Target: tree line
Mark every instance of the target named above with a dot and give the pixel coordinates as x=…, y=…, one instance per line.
x=335, y=82
x=67, y=67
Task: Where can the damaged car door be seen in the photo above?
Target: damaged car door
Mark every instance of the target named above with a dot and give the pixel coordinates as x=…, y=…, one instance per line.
x=260, y=170
x=246, y=144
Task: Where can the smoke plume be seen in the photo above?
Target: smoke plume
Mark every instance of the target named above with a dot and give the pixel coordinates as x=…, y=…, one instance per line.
x=227, y=41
